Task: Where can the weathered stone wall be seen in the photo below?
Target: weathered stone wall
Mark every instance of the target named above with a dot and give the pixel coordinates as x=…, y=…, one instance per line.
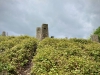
x=44, y=31
x=95, y=38
x=38, y=33
x=3, y=33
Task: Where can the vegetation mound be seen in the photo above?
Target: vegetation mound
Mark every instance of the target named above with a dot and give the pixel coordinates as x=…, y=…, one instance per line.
x=16, y=53
x=67, y=57
x=51, y=56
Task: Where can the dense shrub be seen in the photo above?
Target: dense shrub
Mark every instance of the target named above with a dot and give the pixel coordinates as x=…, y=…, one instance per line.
x=16, y=52
x=67, y=57
x=51, y=56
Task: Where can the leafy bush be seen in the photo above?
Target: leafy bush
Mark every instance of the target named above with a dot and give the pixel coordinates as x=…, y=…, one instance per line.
x=66, y=57
x=51, y=56
x=17, y=52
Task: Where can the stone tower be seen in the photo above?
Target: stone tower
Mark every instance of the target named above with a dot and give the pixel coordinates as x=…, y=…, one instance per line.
x=95, y=38
x=38, y=33
x=3, y=33
x=44, y=31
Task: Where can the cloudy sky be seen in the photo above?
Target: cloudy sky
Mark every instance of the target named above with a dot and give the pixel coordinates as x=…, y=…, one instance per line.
x=66, y=18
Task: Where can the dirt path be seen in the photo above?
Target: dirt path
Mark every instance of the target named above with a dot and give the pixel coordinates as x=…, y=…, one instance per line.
x=26, y=70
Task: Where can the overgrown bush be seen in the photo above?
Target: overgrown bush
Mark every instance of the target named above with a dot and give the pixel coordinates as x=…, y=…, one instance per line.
x=67, y=57
x=16, y=53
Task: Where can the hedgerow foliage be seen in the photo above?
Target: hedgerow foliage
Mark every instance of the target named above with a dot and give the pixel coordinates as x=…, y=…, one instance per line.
x=16, y=52
x=67, y=57
x=52, y=57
